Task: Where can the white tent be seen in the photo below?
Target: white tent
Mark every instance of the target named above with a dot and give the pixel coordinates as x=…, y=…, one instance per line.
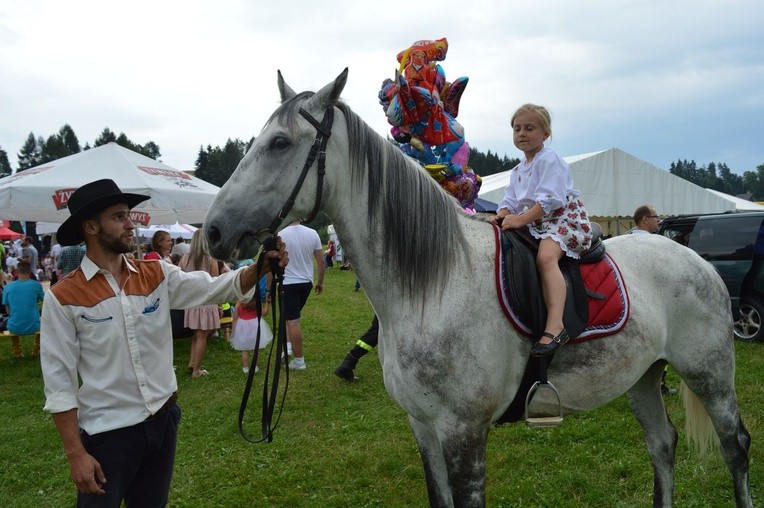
x=185, y=231
x=41, y=193
x=614, y=183
x=740, y=204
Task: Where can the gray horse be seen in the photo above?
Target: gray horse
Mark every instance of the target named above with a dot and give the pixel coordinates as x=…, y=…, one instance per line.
x=449, y=357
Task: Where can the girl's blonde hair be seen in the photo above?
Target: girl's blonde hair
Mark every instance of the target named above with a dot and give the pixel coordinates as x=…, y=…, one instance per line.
x=199, y=250
x=545, y=119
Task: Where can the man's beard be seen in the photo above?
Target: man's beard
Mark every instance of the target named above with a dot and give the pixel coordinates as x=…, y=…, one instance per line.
x=115, y=245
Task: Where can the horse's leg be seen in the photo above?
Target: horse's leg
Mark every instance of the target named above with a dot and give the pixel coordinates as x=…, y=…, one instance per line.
x=453, y=456
x=647, y=403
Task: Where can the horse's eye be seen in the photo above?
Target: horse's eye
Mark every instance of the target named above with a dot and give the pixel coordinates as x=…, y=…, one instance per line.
x=279, y=143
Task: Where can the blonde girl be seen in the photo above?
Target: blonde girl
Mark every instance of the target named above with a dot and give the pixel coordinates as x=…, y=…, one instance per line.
x=541, y=197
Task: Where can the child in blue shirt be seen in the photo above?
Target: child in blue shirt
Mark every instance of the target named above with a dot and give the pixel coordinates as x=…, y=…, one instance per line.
x=20, y=299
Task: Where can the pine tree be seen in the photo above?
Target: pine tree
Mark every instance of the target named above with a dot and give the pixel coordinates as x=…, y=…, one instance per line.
x=5, y=165
x=29, y=155
x=106, y=137
x=69, y=138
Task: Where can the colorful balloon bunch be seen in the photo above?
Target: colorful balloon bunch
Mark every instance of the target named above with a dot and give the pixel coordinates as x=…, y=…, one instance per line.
x=422, y=108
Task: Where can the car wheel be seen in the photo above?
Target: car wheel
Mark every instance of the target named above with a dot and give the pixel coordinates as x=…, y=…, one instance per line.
x=749, y=325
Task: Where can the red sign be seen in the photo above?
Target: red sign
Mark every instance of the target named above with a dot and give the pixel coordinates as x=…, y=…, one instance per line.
x=165, y=172
x=61, y=197
x=141, y=218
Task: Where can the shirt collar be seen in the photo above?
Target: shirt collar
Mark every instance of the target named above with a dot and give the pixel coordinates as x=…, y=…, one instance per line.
x=90, y=269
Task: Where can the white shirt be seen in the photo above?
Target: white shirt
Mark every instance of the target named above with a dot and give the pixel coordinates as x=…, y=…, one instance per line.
x=55, y=251
x=301, y=243
x=546, y=180
x=180, y=248
x=118, y=340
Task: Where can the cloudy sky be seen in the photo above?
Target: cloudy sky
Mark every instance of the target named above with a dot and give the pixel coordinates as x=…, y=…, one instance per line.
x=660, y=79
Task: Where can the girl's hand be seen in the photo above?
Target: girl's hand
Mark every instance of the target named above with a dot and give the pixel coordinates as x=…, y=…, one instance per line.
x=512, y=222
x=500, y=214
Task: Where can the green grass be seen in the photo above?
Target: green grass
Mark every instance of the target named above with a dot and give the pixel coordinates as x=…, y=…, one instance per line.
x=341, y=444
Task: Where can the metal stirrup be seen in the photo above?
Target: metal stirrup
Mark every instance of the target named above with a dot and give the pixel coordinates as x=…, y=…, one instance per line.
x=543, y=421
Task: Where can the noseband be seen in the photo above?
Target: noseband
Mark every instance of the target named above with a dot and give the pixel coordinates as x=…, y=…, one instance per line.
x=318, y=150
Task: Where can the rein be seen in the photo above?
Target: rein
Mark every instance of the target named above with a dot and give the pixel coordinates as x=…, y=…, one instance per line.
x=317, y=151
x=270, y=398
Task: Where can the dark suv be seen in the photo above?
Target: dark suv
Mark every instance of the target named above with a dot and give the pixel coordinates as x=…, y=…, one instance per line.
x=734, y=244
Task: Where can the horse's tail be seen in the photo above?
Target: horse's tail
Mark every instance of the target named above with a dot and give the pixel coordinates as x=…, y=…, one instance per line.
x=701, y=435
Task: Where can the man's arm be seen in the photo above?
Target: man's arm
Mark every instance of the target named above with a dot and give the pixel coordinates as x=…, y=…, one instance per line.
x=318, y=254
x=85, y=469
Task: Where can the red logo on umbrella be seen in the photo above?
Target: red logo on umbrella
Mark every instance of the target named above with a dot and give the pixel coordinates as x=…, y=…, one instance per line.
x=61, y=197
x=141, y=218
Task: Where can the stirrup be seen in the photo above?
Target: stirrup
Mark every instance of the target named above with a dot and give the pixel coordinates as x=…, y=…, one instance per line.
x=543, y=421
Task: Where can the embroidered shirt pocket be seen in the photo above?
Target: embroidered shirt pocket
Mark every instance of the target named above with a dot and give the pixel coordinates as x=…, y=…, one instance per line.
x=151, y=308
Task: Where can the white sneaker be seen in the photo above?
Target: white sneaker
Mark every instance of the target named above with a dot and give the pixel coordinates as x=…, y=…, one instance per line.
x=293, y=365
x=245, y=370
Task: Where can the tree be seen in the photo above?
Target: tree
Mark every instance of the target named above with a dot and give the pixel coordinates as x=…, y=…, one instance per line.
x=106, y=137
x=30, y=153
x=150, y=149
x=5, y=165
x=718, y=176
x=488, y=163
x=216, y=165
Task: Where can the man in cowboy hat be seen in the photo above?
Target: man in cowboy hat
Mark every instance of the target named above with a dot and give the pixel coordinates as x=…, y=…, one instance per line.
x=108, y=324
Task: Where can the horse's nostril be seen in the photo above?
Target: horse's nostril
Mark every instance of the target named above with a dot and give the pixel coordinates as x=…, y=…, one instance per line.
x=213, y=235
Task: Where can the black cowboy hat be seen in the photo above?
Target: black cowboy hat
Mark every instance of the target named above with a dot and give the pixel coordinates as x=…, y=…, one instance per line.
x=88, y=200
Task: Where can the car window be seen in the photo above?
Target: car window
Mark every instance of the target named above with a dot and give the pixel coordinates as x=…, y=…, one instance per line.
x=726, y=239
x=679, y=231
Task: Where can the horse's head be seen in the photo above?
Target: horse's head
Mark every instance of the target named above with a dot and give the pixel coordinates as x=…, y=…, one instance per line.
x=277, y=181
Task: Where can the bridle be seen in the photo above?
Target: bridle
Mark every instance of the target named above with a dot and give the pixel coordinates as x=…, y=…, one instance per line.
x=317, y=151
x=270, y=396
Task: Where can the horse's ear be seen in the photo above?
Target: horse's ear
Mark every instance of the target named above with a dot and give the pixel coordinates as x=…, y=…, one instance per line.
x=284, y=89
x=330, y=94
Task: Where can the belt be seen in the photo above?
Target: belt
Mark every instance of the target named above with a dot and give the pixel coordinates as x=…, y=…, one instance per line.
x=166, y=407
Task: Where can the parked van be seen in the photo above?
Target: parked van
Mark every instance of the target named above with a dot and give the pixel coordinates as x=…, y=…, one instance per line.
x=734, y=244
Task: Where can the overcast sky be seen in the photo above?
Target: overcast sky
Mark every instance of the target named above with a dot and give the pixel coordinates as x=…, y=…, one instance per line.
x=660, y=79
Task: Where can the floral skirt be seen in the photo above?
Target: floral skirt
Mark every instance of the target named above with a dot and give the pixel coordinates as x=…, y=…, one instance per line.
x=569, y=226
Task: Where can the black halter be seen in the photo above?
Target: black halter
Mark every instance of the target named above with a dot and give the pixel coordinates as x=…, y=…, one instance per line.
x=271, y=394
x=318, y=150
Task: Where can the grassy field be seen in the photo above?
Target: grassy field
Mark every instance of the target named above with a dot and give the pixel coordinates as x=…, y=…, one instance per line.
x=343, y=445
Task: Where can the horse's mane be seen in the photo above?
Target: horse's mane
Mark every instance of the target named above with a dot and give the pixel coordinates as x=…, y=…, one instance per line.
x=421, y=233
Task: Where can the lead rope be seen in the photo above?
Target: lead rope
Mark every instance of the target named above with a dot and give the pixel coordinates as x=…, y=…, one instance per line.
x=270, y=399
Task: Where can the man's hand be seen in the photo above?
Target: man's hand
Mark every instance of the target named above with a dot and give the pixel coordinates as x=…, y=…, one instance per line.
x=280, y=255
x=277, y=256
x=87, y=474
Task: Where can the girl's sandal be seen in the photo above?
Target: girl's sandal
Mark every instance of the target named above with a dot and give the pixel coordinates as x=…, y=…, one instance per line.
x=540, y=349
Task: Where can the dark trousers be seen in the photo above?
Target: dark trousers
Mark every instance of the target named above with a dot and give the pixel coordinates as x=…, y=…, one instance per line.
x=137, y=462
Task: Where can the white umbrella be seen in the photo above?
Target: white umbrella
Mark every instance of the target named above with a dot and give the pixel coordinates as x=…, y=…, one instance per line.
x=41, y=193
x=185, y=231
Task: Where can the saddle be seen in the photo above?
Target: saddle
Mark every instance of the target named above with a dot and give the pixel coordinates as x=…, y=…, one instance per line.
x=524, y=284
